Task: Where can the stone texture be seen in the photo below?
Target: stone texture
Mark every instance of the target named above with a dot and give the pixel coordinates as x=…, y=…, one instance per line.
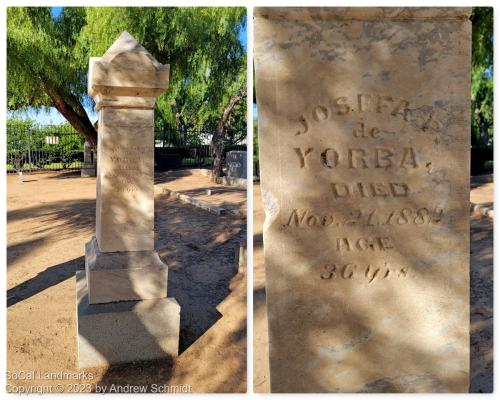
x=89, y=161
x=122, y=276
x=123, y=312
x=125, y=188
x=125, y=331
x=236, y=162
x=125, y=83
x=205, y=205
x=121, y=262
x=364, y=138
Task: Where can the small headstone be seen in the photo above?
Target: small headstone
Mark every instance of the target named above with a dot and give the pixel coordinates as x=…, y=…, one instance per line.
x=236, y=164
x=364, y=139
x=89, y=161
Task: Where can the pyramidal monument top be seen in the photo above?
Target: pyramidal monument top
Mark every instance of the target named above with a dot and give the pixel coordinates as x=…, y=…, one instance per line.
x=126, y=71
x=126, y=45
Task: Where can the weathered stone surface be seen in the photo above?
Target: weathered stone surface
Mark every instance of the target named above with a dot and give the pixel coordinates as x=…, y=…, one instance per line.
x=125, y=187
x=89, y=161
x=123, y=276
x=364, y=139
x=124, y=83
x=236, y=162
x=125, y=331
x=120, y=261
x=126, y=76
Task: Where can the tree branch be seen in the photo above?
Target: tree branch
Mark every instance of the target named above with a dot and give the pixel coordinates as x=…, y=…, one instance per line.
x=76, y=116
x=219, y=132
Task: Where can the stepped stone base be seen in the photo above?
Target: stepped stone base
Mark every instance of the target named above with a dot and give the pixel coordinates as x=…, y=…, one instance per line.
x=88, y=170
x=125, y=331
x=124, y=275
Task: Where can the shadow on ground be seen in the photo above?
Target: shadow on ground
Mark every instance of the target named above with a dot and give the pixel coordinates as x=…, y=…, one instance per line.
x=138, y=374
x=480, y=180
x=45, y=279
x=481, y=309
x=199, y=248
x=66, y=175
x=215, y=189
x=169, y=176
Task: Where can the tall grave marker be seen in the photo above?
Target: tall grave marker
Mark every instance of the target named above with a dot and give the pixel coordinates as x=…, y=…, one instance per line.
x=364, y=152
x=123, y=311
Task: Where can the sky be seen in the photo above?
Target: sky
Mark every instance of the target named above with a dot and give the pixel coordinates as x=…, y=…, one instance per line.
x=53, y=117
x=56, y=11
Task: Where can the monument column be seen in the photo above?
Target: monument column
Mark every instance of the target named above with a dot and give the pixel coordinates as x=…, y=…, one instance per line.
x=364, y=140
x=123, y=272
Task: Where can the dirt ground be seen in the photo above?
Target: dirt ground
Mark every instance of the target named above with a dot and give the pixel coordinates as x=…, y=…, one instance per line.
x=482, y=190
x=187, y=182
x=481, y=310
x=50, y=217
x=260, y=342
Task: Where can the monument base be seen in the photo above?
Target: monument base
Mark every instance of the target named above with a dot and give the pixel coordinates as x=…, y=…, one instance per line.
x=124, y=275
x=88, y=171
x=233, y=181
x=126, y=331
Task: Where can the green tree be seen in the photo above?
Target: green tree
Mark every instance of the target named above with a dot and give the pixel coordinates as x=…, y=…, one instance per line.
x=41, y=69
x=482, y=75
x=207, y=62
x=48, y=61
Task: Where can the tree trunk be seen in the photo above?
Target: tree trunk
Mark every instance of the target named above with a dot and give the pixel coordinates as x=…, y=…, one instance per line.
x=219, y=132
x=75, y=115
x=78, y=119
x=181, y=126
x=483, y=126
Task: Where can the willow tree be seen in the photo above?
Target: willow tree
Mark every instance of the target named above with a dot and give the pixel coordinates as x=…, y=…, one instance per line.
x=207, y=62
x=482, y=75
x=41, y=69
x=48, y=61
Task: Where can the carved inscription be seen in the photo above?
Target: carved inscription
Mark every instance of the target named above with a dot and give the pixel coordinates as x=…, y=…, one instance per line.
x=403, y=216
x=356, y=158
x=372, y=189
x=363, y=103
x=127, y=166
x=364, y=273
x=356, y=229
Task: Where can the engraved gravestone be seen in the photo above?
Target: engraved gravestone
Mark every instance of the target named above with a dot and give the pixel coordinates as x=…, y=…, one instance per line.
x=123, y=310
x=236, y=162
x=89, y=161
x=364, y=153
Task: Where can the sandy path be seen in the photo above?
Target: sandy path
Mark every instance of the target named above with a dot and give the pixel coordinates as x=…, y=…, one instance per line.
x=50, y=217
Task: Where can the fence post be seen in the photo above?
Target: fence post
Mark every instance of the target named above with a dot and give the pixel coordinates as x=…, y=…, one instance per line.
x=29, y=149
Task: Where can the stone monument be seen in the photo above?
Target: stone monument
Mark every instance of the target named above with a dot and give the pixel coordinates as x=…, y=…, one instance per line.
x=236, y=162
x=364, y=138
x=89, y=161
x=123, y=311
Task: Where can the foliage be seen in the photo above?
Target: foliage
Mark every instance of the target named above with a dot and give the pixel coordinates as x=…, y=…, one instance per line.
x=482, y=75
x=48, y=59
x=39, y=56
x=48, y=143
x=207, y=61
x=255, y=139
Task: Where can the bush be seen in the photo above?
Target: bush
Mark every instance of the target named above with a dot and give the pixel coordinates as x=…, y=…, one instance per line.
x=480, y=156
x=24, y=134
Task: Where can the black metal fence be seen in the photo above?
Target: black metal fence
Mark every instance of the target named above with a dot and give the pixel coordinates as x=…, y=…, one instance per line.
x=46, y=147
x=59, y=147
